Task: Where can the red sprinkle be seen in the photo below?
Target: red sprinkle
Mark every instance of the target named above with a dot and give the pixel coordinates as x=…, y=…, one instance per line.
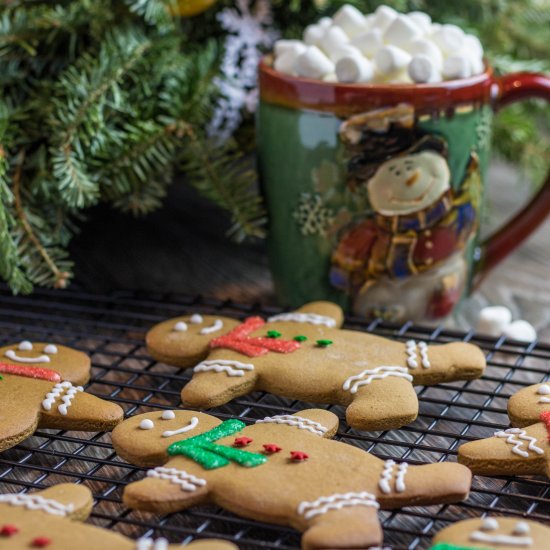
x=8, y=530
x=41, y=542
x=30, y=372
x=298, y=456
x=239, y=340
x=272, y=448
x=545, y=417
x=242, y=441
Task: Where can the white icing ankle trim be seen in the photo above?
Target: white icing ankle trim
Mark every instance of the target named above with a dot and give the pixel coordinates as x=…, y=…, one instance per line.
x=298, y=421
x=36, y=502
x=511, y=439
x=217, y=325
x=507, y=540
x=311, y=318
x=335, y=502
x=353, y=383
x=387, y=475
x=146, y=543
x=10, y=354
x=192, y=424
x=411, y=348
x=224, y=365
x=187, y=482
x=66, y=400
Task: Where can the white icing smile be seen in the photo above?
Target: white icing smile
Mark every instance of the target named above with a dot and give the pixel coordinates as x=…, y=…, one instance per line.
x=192, y=425
x=25, y=345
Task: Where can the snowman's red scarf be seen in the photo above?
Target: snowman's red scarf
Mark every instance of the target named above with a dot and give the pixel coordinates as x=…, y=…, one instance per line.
x=545, y=419
x=38, y=373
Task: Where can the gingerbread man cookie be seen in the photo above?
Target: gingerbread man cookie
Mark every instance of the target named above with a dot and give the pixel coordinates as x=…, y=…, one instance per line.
x=40, y=388
x=51, y=519
x=523, y=449
x=283, y=469
x=305, y=355
x=493, y=533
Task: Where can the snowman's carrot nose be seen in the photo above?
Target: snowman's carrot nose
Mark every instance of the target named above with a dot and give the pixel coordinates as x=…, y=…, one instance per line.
x=412, y=179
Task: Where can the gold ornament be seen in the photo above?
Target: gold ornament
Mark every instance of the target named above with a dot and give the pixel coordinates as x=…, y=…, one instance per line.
x=189, y=8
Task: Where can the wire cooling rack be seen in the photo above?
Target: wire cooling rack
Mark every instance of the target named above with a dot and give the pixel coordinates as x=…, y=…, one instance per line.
x=111, y=330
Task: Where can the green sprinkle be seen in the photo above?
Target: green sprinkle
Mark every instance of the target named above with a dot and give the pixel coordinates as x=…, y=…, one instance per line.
x=300, y=338
x=273, y=334
x=324, y=343
x=1, y=377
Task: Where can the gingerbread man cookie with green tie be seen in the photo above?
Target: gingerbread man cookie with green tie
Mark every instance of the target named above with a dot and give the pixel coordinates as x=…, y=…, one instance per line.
x=523, y=449
x=493, y=533
x=284, y=469
x=51, y=519
x=305, y=355
x=40, y=387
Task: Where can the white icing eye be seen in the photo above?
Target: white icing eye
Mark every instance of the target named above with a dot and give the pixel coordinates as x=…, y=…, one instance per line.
x=489, y=524
x=544, y=390
x=146, y=424
x=25, y=345
x=180, y=326
x=196, y=319
x=50, y=349
x=168, y=415
x=521, y=528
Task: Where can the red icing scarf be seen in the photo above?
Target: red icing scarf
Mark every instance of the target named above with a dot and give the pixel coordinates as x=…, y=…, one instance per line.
x=37, y=373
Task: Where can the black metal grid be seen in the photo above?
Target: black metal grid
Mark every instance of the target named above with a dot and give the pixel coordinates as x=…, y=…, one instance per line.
x=111, y=329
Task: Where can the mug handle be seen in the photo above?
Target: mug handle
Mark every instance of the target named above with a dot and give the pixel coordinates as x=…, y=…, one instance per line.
x=509, y=89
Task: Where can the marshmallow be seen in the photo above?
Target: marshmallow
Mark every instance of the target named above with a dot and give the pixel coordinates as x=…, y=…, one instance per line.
x=429, y=49
x=343, y=51
x=449, y=38
x=390, y=59
x=350, y=20
x=402, y=31
x=521, y=331
x=331, y=77
x=423, y=20
x=369, y=21
x=283, y=46
x=472, y=43
x=324, y=22
x=494, y=319
x=313, y=34
x=383, y=17
x=457, y=66
x=422, y=69
x=333, y=38
x=286, y=63
x=313, y=63
x=354, y=68
x=368, y=42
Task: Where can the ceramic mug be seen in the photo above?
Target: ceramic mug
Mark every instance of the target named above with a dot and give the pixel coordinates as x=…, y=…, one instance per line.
x=375, y=192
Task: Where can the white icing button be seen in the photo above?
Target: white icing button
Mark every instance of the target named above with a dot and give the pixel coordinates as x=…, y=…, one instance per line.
x=489, y=524
x=180, y=326
x=25, y=345
x=146, y=424
x=196, y=319
x=521, y=528
x=168, y=415
x=544, y=390
x=50, y=349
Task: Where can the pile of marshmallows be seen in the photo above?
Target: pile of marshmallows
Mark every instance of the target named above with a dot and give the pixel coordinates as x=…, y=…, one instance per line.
x=383, y=47
x=497, y=321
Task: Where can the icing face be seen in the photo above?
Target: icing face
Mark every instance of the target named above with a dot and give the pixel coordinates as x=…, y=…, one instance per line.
x=149, y=424
x=26, y=353
x=408, y=184
x=196, y=319
x=518, y=538
x=544, y=393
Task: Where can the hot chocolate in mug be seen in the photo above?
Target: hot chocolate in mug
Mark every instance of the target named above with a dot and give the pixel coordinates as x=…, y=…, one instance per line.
x=375, y=192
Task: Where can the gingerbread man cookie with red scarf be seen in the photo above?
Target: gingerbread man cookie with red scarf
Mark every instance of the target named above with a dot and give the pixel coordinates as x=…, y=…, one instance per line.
x=493, y=533
x=284, y=469
x=40, y=387
x=51, y=519
x=523, y=449
x=306, y=355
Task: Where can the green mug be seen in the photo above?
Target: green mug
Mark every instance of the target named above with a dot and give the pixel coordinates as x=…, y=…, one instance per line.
x=375, y=192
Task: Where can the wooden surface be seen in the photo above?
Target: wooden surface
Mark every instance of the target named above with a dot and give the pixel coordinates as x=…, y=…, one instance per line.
x=182, y=249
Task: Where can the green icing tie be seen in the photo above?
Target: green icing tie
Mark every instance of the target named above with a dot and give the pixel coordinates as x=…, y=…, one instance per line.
x=205, y=452
x=448, y=546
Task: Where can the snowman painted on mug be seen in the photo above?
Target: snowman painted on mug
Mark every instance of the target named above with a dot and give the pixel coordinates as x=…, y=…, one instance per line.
x=406, y=258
